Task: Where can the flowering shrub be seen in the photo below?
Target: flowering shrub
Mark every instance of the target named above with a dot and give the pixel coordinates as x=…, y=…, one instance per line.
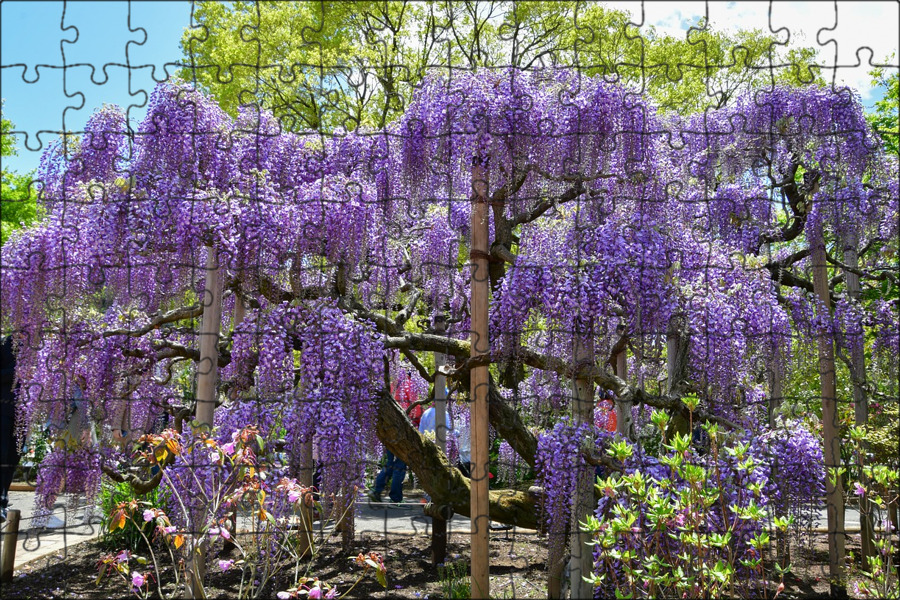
x=313, y=587
x=877, y=486
x=206, y=481
x=682, y=524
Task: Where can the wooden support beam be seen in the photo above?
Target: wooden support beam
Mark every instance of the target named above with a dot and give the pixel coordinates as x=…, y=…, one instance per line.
x=480, y=286
x=860, y=401
x=834, y=491
x=624, y=421
x=581, y=562
x=438, y=524
x=207, y=380
x=10, y=541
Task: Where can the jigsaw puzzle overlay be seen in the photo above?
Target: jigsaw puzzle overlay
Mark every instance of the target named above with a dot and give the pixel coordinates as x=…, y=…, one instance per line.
x=400, y=299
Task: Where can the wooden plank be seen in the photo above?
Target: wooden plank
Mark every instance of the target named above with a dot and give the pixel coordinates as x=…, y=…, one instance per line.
x=21, y=487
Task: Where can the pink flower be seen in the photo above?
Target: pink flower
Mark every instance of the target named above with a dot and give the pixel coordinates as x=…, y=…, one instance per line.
x=283, y=595
x=170, y=529
x=225, y=533
x=148, y=515
x=293, y=496
x=225, y=564
x=315, y=592
x=332, y=593
x=137, y=580
x=228, y=448
x=860, y=490
x=122, y=556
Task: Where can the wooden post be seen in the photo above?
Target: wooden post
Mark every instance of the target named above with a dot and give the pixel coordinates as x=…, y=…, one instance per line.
x=207, y=379
x=775, y=380
x=623, y=409
x=480, y=278
x=776, y=396
x=208, y=367
x=10, y=541
x=307, y=474
x=438, y=525
x=676, y=364
x=860, y=402
x=581, y=561
x=834, y=492
x=239, y=312
x=775, y=374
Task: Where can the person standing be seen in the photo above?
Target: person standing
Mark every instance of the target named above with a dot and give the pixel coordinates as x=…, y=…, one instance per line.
x=72, y=466
x=428, y=424
x=394, y=468
x=9, y=451
x=465, y=445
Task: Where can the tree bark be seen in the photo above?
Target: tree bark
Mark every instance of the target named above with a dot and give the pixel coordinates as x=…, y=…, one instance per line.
x=448, y=488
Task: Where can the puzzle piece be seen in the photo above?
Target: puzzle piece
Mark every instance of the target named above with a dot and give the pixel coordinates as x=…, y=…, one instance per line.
x=237, y=290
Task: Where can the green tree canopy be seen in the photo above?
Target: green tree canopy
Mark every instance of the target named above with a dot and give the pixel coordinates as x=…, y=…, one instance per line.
x=325, y=65
x=884, y=119
x=18, y=201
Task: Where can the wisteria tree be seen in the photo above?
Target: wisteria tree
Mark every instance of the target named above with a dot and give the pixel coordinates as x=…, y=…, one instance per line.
x=649, y=257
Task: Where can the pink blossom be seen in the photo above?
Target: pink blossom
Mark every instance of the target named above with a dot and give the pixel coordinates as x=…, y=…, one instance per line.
x=137, y=580
x=148, y=515
x=228, y=448
x=293, y=496
x=860, y=490
x=283, y=595
x=225, y=564
x=315, y=592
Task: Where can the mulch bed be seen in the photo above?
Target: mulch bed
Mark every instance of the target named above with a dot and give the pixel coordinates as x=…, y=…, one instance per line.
x=517, y=570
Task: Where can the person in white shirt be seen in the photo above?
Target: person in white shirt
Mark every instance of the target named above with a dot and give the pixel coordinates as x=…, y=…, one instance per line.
x=428, y=424
x=465, y=447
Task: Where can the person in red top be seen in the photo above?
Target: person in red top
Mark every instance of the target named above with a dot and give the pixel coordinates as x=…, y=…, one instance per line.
x=606, y=415
x=404, y=393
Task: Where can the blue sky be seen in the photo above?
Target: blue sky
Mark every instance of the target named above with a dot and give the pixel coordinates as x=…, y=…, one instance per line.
x=42, y=99
x=95, y=36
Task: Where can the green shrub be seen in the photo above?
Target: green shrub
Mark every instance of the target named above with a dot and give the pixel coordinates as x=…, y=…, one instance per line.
x=129, y=536
x=454, y=580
